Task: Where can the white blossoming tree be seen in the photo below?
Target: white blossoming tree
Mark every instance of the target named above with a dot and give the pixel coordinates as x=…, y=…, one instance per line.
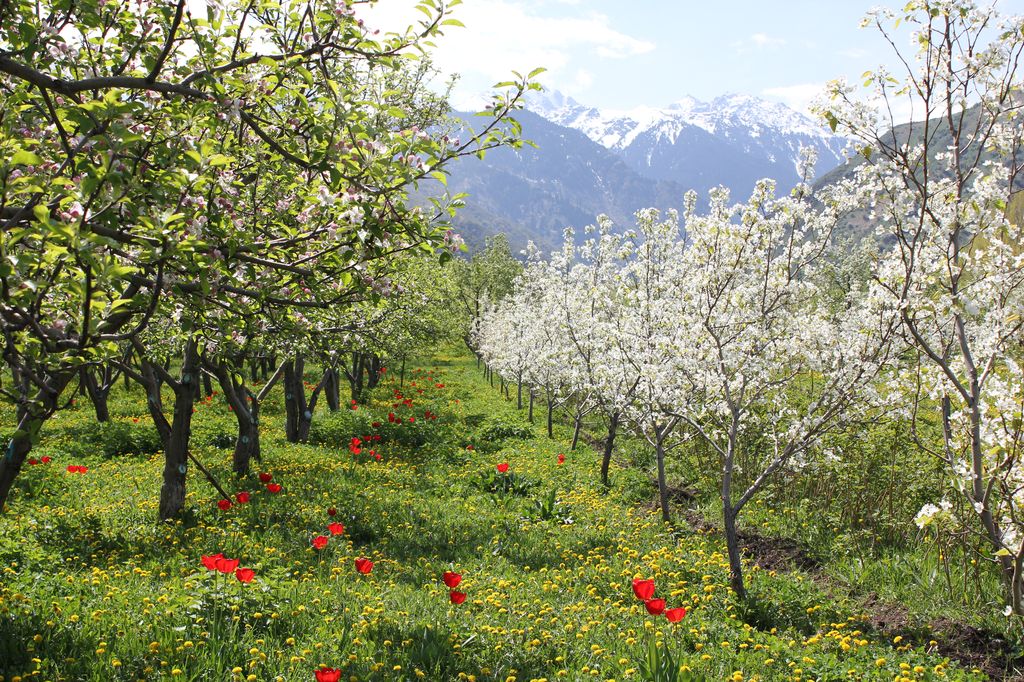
x=763, y=354
x=956, y=269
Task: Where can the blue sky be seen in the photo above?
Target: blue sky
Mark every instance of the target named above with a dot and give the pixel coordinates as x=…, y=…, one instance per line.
x=620, y=55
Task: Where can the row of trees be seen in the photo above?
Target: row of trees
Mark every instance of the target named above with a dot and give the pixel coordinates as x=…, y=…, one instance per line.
x=743, y=328
x=222, y=190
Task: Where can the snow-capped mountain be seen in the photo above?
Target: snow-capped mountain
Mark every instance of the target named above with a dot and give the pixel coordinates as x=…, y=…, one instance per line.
x=733, y=140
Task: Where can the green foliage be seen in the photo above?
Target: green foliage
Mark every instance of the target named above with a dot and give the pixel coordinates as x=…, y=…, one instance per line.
x=505, y=428
x=660, y=666
x=507, y=483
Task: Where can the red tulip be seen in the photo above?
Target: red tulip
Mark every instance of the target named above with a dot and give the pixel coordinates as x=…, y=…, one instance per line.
x=336, y=528
x=327, y=675
x=320, y=541
x=225, y=565
x=503, y=467
x=82, y=469
x=224, y=504
x=375, y=425
x=452, y=579
x=72, y=469
x=364, y=565
x=245, y=575
x=33, y=461
x=331, y=511
x=242, y=497
x=274, y=488
x=412, y=419
x=655, y=607
x=675, y=615
x=643, y=589
x=265, y=477
x=456, y=597
x=391, y=417
x=45, y=459
x=210, y=560
x=561, y=459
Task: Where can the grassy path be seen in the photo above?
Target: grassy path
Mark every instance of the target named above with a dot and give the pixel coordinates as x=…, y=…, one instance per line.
x=93, y=589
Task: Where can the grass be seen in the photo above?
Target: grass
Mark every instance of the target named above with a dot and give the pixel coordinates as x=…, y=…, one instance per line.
x=93, y=588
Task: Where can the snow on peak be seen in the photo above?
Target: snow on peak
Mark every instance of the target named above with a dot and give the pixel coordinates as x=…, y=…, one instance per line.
x=732, y=115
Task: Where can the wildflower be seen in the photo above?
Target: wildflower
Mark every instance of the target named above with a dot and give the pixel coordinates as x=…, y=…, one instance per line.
x=336, y=528
x=364, y=565
x=655, y=607
x=224, y=505
x=210, y=560
x=320, y=541
x=45, y=459
x=456, y=597
x=452, y=579
x=327, y=675
x=332, y=511
x=503, y=467
x=274, y=488
x=675, y=615
x=225, y=565
x=643, y=589
x=245, y=575
x=242, y=497
x=265, y=477
x=561, y=459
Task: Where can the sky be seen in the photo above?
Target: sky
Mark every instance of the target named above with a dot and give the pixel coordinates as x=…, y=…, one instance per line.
x=619, y=55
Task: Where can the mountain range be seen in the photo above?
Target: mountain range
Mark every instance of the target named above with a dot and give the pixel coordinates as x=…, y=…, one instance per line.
x=588, y=162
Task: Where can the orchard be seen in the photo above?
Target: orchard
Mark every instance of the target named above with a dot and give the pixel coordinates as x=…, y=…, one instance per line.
x=265, y=419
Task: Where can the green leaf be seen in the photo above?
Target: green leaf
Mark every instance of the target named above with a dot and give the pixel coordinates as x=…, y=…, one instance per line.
x=23, y=157
x=220, y=160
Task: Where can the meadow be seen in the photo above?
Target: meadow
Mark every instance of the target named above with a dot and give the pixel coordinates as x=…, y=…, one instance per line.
x=430, y=533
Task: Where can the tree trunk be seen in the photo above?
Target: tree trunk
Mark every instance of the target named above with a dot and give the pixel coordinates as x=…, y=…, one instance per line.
x=98, y=392
x=519, y=394
x=355, y=376
x=28, y=430
x=660, y=433
x=551, y=417
x=373, y=373
x=529, y=414
x=729, y=512
x=332, y=391
x=401, y=378
x=245, y=407
x=609, y=443
x=294, y=398
x=733, y=544
x=207, y=385
x=577, y=424
x=172, y=492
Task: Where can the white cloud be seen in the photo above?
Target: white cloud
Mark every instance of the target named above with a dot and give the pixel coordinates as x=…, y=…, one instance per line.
x=758, y=41
x=797, y=97
x=502, y=36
